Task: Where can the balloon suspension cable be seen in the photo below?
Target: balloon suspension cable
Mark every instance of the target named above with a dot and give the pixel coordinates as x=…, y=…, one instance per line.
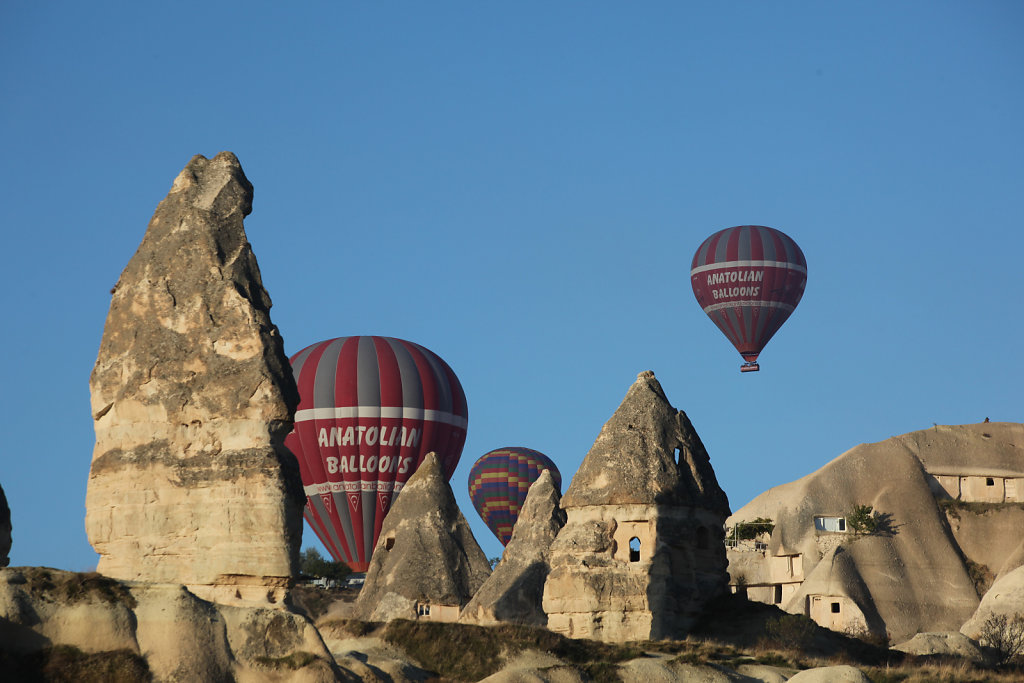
x=750, y=366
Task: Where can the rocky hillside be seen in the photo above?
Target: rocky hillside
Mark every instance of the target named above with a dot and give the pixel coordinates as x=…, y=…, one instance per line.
x=931, y=548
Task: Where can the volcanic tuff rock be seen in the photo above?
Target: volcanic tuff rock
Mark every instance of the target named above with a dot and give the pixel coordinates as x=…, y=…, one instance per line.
x=513, y=591
x=5, y=529
x=648, y=453
x=425, y=554
x=1005, y=597
x=953, y=643
x=908, y=577
x=192, y=396
x=180, y=636
x=647, y=482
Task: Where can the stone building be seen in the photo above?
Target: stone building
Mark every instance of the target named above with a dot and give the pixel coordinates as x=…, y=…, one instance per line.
x=642, y=548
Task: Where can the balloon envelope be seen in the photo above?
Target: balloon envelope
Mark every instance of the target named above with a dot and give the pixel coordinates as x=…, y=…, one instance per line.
x=370, y=409
x=748, y=279
x=499, y=482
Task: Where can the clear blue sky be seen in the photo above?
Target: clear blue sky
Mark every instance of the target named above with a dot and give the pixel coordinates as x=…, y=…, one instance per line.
x=520, y=188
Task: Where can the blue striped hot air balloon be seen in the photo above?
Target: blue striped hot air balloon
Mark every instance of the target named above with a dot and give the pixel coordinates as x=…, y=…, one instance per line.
x=499, y=482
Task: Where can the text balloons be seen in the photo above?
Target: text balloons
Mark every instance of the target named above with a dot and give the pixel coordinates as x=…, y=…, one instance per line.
x=499, y=482
x=748, y=279
x=370, y=409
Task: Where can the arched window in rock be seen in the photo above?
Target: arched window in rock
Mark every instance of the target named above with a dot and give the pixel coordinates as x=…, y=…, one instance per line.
x=703, y=538
x=389, y=543
x=634, y=549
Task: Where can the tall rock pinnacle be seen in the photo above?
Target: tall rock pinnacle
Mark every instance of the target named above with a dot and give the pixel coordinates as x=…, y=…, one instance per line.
x=192, y=396
x=641, y=550
x=513, y=592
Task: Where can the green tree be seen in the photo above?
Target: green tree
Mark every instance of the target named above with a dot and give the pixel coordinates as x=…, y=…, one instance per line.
x=312, y=564
x=863, y=519
x=748, y=531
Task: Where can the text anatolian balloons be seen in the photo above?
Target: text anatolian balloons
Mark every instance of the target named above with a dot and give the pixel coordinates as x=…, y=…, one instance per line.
x=370, y=409
x=499, y=482
x=748, y=279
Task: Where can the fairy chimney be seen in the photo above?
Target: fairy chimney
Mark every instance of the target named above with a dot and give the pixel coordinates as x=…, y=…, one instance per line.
x=513, y=591
x=426, y=564
x=192, y=396
x=642, y=548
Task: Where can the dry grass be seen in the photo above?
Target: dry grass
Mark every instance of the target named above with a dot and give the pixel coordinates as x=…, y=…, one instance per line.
x=70, y=587
x=66, y=664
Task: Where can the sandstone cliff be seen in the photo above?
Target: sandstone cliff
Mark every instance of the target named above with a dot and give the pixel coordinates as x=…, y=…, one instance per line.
x=425, y=557
x=513, y=592
x=192, y=396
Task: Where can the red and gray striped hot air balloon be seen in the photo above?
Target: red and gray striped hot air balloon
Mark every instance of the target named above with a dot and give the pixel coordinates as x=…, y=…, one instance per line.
x=499, y=482
x=748, y=279
x=370, y=409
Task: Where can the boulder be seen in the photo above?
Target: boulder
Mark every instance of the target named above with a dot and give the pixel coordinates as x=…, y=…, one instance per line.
x=192, y=396
x=642, y=548
x=951, y=643
x=831, y=674
x=40, y=607
x=5, y=530
x=513, y=592
x=425, y=557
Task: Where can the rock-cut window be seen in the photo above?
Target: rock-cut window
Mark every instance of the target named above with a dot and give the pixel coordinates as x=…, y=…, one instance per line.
x=634, y=549
x=703, y=538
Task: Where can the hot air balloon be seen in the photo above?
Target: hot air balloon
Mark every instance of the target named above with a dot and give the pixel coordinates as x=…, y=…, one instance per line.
x=499, y=482
x=748, y=279
x=370, y=409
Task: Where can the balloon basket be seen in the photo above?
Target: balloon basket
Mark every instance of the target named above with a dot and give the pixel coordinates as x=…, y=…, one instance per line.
x=750, y=367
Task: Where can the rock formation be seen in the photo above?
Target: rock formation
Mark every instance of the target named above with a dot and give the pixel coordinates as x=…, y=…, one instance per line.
x=953, y=644
x=176, y=635
x=192, y=396
x=907, y=577
x=513, y=592
x=426, y=562
x=5, y=530
x=641, y=550
x=1004, y=598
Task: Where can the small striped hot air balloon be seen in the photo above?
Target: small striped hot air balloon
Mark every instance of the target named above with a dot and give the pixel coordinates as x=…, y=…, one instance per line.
x=749, y=279
x=499, y=482
x=370, y=409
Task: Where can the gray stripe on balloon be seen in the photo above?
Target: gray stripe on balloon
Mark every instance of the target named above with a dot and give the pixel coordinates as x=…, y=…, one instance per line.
x=300, y=360
x=326, y=370
x=743, y=252
x=367, y=373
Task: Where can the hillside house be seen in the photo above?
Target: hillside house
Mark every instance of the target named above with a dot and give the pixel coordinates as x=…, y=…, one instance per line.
x=986, y=486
